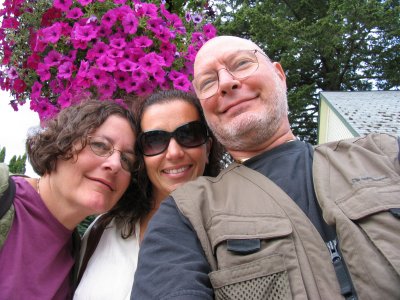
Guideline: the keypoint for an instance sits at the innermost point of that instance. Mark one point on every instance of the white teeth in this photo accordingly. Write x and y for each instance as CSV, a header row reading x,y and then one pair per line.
x,y
175,171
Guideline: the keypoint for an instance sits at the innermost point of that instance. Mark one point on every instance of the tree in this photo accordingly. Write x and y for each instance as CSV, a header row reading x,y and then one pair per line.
x,y
17,164
2,154
325,45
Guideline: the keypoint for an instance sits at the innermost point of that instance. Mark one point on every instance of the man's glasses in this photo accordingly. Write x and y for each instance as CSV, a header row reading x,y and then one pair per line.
x,y
240,65
102,147
189,135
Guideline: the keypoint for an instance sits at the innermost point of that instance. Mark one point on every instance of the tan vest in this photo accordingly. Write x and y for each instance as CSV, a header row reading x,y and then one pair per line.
x,y
357,183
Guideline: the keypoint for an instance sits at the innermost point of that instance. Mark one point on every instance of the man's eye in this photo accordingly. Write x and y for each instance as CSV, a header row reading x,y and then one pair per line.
x,y
242,63
207,83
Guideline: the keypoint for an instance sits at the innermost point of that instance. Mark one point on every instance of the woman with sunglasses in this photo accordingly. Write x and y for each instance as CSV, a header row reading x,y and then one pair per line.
x,y
85,158
174,146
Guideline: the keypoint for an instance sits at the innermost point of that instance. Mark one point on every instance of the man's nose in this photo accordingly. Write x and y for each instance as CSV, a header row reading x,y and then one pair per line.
x,y
226,81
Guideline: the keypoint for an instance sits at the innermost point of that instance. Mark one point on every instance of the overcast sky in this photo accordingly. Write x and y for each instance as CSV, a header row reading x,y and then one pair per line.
x,y
14,127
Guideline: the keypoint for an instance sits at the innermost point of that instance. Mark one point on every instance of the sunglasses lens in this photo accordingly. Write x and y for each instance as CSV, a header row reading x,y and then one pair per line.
x,y
154,142
191,135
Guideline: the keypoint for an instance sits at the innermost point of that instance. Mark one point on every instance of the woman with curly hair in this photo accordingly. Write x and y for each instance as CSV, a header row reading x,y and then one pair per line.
x,y
84,157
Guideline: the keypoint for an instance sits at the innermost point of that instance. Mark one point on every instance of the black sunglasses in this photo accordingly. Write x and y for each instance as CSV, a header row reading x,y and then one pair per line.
x,y
189,135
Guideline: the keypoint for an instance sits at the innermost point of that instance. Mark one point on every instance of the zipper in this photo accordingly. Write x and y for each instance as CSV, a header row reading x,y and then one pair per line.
x,y
346,286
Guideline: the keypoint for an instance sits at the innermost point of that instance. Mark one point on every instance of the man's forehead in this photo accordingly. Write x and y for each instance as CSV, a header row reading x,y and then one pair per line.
x,y
219,47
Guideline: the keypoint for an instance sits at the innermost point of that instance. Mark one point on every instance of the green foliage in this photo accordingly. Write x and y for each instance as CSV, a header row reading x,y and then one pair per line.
x,y
329,45
17,164
2,154
82,226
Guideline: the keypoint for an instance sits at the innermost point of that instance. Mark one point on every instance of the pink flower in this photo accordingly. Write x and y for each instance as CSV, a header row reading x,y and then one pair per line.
x,y
107,89
139,75
84,2
84,33
12,73
163,34
121,78
63,5
52,34
109,19
127,65
19,85
43,71
106,63
118,43
145,89
142,42
159,75
115,53
75,13
98,76
97,50
53,58
145,9
36,90
150,62
65,99
182,83
65,70
10,23
174,75
130,23
209,31
45,109
154,24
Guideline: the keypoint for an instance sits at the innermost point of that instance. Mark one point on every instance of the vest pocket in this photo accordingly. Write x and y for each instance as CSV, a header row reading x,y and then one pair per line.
x,y
254,255
265,278
374,210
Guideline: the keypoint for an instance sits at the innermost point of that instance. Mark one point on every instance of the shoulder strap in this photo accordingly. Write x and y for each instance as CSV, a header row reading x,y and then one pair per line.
x,y
7,197
93,240
7,192
76,245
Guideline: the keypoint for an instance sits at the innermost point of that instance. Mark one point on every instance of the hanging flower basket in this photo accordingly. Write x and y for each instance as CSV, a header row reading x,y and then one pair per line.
x,y
54,54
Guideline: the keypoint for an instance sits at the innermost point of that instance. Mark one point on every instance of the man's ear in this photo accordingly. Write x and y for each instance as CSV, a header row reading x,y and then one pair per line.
x,y
279,71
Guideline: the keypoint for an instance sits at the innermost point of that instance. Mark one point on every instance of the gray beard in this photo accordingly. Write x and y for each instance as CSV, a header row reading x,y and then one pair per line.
x,y
249,130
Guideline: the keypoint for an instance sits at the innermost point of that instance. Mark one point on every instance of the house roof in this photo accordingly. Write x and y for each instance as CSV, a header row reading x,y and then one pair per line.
x,y
365,112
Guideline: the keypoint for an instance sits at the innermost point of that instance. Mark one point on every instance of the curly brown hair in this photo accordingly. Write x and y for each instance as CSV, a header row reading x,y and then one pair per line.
x,y
72,125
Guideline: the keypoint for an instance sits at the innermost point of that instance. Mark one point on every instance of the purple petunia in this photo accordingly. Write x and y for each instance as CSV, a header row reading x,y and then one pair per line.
x,y
84,49
62,5
74,13
52,34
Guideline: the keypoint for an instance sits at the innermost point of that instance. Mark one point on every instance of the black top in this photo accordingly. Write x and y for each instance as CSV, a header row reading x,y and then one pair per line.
x,y
290,167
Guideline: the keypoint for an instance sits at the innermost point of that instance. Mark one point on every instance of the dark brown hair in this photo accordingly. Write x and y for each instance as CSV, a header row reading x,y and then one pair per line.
x,y
215,159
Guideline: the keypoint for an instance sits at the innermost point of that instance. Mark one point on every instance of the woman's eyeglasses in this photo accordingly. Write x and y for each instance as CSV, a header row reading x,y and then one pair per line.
x,y
189,135
103,147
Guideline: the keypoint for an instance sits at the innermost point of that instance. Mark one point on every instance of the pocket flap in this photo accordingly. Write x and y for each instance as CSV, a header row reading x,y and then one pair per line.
x,y
227,227
369,201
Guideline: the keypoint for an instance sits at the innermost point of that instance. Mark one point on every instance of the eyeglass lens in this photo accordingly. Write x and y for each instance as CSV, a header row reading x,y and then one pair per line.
x,y
240,65
102,147
190,135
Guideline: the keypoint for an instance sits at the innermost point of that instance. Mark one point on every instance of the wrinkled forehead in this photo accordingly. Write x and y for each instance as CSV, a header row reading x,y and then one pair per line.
x,y
217,49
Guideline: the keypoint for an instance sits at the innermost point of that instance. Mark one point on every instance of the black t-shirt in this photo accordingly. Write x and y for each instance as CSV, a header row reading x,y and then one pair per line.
x,y
290,167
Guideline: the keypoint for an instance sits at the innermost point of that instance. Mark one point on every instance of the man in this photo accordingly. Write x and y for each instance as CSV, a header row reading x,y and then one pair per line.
x,y
286,220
